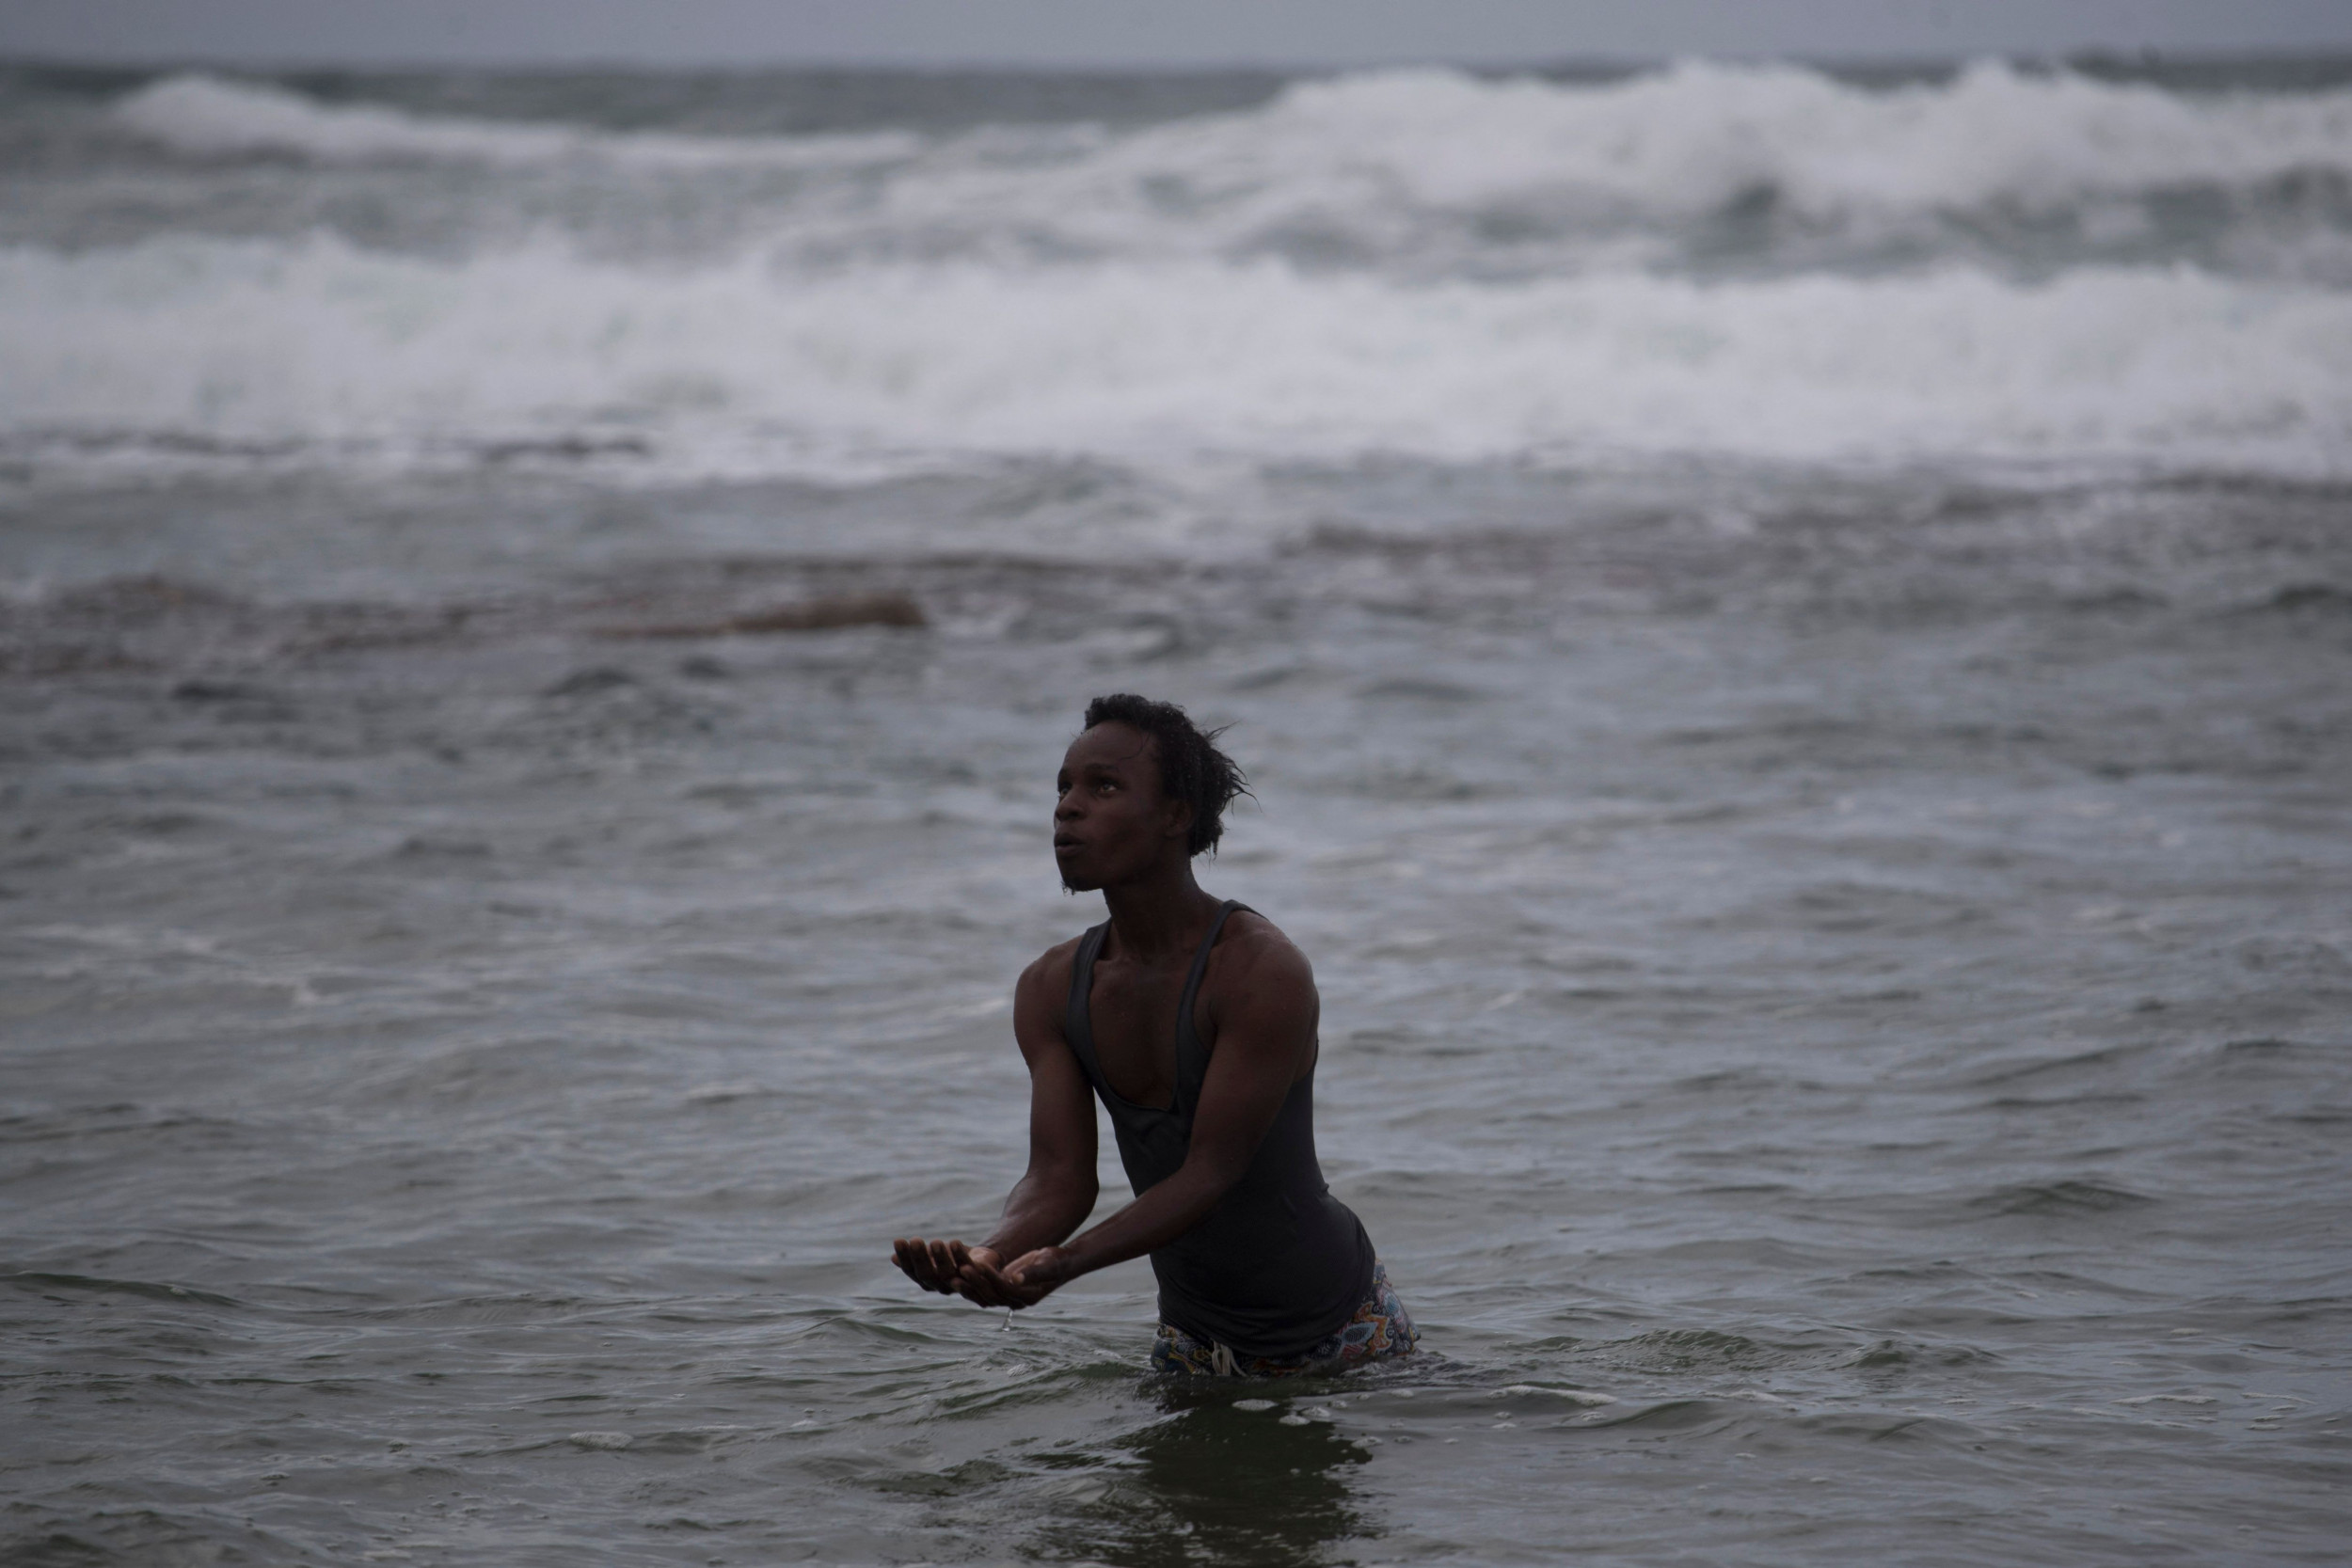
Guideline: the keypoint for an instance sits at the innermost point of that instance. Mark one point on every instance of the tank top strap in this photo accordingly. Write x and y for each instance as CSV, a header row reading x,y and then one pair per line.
x,y
1077,1020
1192,1058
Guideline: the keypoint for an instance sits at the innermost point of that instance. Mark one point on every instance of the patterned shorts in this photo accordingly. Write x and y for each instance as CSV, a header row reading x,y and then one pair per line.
x,y
1380,1328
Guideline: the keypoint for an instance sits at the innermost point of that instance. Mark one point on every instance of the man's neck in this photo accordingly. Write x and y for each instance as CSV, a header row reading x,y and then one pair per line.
x,y
1161,914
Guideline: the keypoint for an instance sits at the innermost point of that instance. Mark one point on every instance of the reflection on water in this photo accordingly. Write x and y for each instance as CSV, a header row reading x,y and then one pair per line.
x,y
1209,1483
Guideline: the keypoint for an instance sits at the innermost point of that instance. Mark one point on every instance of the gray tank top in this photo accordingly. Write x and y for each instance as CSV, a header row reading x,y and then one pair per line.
x,y
1280,1262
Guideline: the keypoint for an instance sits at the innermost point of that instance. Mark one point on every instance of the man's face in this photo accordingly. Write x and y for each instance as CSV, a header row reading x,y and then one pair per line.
x,y
1111,823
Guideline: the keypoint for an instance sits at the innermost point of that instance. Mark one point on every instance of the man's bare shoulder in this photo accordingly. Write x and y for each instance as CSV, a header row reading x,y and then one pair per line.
x,y
1254,951
1038,995
1050,970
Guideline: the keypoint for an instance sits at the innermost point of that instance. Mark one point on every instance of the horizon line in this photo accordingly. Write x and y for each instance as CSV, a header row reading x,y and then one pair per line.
x,y
1596,63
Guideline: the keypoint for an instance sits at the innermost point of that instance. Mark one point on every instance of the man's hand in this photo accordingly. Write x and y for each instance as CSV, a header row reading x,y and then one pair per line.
x,y
940,1265
979,1275
1028,1281
1034,1275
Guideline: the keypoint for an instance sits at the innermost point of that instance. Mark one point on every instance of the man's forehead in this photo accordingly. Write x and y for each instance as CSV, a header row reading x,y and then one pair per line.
x,y
1109,745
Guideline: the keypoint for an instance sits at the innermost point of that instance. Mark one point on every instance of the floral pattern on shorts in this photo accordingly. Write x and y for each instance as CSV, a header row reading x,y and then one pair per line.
x,y
1380,1328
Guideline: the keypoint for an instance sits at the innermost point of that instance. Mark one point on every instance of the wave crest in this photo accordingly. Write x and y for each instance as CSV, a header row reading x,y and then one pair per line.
x,y
1690,136
1697,167
741,368
210,116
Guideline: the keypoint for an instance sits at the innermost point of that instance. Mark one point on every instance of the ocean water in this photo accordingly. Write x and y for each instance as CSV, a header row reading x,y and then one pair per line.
x,y
1794,635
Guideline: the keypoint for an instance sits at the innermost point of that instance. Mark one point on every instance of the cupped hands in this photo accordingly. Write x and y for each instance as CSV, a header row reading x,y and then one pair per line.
x,y
978,1274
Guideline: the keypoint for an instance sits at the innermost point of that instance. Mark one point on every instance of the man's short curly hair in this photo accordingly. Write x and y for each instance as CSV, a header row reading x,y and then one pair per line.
x,y
1192,769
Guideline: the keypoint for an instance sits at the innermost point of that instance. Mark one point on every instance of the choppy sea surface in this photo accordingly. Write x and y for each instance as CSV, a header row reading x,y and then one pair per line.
x,y
1794,635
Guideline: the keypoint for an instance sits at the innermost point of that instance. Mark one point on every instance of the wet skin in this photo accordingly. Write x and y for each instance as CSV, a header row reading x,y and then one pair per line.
x,y
1256,1011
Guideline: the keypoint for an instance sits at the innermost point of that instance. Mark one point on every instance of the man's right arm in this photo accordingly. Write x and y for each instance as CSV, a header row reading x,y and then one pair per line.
x,y
1057,1192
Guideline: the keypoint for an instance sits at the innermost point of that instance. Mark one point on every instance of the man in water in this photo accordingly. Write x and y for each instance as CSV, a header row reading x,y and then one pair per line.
x,y
1194,1020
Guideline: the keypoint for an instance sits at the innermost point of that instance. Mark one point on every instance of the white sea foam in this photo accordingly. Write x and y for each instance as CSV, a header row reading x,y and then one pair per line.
x,y
1698,135
1429,175
740,368
207,115
1692,138
1435,172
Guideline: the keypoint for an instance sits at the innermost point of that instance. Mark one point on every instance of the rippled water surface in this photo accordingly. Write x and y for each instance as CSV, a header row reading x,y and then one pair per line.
x,y
1836,970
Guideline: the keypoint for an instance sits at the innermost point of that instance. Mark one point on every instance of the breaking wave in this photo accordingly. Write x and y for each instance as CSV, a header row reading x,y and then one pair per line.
x,y
741,367
1755,261
1694,137
209,117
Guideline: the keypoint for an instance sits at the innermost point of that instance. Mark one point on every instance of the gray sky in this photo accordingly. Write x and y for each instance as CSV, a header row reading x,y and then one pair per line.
x,y
1138,32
